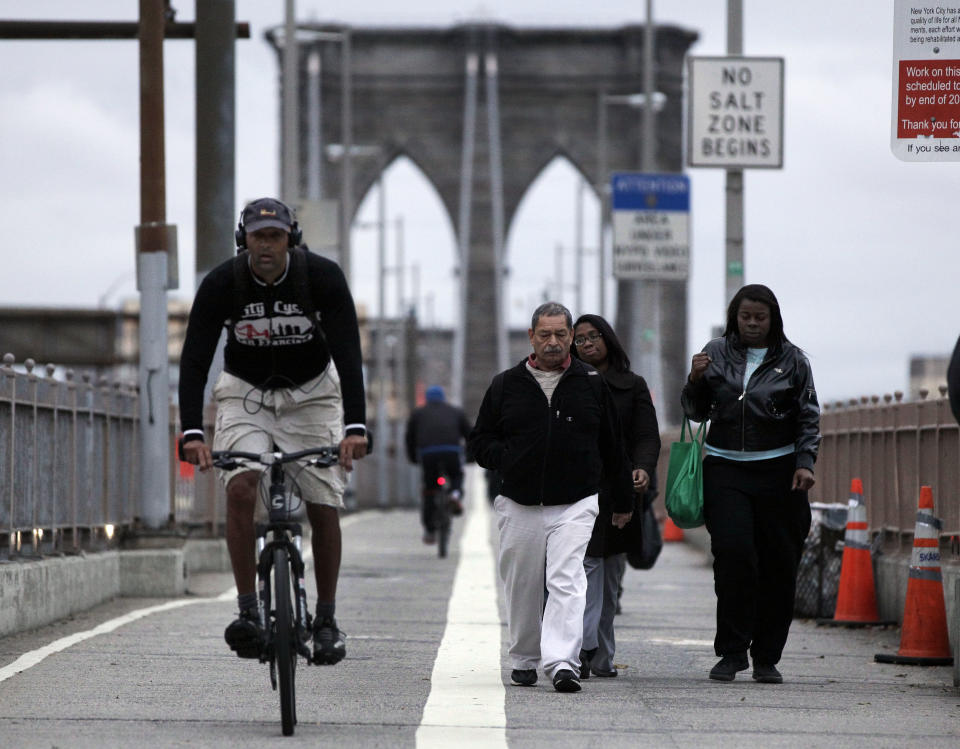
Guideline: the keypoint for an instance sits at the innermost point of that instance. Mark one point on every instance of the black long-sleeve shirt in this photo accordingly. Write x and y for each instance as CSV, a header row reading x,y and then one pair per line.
x,y
272,344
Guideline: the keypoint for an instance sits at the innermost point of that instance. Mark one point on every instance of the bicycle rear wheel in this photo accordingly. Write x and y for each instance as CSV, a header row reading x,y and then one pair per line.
x,y
443,524
283,645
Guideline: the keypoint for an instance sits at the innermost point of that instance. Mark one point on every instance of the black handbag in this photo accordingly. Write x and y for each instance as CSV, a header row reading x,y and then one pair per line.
x,y
645,539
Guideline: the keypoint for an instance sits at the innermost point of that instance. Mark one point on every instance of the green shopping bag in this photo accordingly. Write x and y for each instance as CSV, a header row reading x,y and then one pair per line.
x,y
684,495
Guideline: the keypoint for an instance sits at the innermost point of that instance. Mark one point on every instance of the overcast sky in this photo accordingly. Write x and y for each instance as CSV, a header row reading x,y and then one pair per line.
x,y
860,248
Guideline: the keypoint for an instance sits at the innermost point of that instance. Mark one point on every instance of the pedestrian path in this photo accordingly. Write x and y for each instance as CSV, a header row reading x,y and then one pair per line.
x,y
426,666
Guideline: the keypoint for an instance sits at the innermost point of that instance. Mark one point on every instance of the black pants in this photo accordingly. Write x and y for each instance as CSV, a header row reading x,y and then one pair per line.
x,y
435,465
757,528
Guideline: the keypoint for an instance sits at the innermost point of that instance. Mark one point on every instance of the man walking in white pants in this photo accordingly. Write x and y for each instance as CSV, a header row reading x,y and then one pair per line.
x,y
549,426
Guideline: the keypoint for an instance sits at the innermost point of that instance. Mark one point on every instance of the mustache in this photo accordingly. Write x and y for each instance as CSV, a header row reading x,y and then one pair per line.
x,y
553,349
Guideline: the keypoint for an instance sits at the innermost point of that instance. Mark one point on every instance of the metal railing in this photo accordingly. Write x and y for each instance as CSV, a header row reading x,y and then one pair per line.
x,y
894,447
68,461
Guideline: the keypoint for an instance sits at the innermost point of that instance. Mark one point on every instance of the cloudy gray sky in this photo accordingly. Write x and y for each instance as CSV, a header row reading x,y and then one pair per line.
x,y
860,248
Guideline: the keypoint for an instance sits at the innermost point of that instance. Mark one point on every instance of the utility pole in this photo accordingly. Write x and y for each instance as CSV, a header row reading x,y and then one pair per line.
x,y
734,177
216,211
603,187
647,309
578,248
639,317
401,270
156,242
346,166
290,169
380,440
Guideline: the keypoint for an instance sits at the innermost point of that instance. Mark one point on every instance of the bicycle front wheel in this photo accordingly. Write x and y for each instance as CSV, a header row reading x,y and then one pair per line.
x,y
284,648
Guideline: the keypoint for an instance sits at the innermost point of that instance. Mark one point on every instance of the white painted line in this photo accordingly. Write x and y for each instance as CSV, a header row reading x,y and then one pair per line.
x,y
31,659
466,703
672,641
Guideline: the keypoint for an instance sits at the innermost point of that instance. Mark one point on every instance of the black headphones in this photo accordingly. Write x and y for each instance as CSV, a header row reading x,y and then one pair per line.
x,y
294,233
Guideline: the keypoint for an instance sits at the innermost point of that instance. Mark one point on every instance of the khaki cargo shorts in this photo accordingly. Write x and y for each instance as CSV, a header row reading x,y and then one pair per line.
x,y
296,418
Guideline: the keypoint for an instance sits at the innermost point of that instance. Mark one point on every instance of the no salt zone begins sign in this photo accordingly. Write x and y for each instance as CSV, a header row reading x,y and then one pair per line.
x,y
735,112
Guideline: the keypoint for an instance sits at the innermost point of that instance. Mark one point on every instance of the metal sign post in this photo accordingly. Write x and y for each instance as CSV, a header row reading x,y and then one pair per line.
x,y
734,122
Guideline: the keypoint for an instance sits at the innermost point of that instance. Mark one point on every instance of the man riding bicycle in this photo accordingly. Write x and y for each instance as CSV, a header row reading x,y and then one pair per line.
x,y
292,377
434,438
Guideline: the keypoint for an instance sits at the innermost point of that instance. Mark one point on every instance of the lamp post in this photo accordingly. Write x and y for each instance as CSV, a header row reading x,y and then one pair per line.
x,y
380,441
290,165
734,274
638,301
604,100
314,144
578,246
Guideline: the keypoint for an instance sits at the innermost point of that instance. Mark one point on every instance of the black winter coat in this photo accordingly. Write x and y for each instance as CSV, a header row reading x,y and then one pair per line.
x,y
778,407
641,437
552,453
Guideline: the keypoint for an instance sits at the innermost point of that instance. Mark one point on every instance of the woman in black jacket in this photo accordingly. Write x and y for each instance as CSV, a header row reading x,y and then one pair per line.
x,y
756,388
596,344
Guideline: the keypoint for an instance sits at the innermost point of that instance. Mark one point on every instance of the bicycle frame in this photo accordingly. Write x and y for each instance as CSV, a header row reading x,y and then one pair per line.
x,y
287,534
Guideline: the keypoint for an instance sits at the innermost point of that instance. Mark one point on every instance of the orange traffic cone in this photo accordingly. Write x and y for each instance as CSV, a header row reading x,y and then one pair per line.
x,y
857,596
924,640
671,532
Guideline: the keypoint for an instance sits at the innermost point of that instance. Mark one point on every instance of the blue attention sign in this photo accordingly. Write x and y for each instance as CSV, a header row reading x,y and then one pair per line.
x,y
651,226
650,192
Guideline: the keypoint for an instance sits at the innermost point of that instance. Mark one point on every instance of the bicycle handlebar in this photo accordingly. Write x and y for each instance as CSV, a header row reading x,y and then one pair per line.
x,y
325,456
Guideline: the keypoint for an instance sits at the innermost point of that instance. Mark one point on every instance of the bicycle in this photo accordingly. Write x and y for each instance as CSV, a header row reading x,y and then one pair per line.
x,y
441,514
438,487
285,621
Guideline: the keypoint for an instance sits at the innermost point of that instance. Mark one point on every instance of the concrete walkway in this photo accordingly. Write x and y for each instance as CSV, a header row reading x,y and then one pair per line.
x,y
167,679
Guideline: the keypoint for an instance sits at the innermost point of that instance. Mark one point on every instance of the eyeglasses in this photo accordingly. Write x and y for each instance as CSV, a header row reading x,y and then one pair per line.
x,y
592,337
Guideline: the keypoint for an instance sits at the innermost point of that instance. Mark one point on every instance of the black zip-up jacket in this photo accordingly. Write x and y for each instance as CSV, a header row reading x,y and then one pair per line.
x,y
552,453
778,407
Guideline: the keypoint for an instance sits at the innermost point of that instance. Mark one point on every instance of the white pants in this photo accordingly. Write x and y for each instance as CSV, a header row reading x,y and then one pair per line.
x,y
544,544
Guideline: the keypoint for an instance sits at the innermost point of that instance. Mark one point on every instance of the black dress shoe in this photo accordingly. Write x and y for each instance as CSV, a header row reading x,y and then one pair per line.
x,y
766,674
726,669
604,673
585,657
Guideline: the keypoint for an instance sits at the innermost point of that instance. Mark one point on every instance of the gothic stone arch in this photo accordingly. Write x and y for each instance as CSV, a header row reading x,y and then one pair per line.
x,y
409,85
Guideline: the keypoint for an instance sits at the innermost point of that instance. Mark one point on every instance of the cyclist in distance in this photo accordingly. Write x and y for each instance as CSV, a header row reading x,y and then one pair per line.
x,y
291,380
434,439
